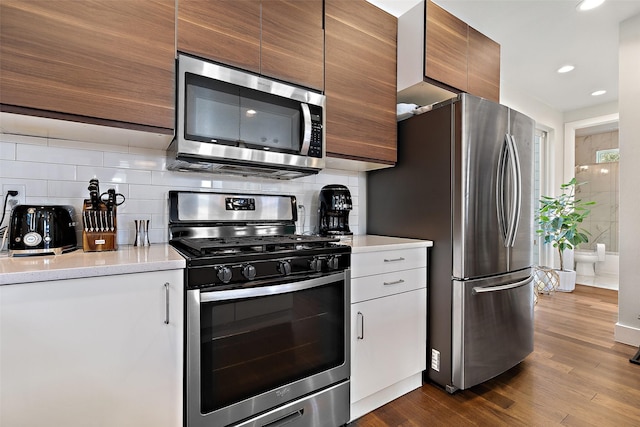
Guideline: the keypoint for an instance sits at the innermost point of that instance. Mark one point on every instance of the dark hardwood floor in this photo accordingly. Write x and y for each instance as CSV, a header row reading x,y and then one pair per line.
x,y
577,375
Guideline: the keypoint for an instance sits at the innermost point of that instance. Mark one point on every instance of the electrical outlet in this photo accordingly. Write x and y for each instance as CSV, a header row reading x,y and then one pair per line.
x,y
20,199
435,360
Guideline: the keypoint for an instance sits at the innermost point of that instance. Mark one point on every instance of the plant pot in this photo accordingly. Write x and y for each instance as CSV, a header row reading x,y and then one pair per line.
x,y
567,280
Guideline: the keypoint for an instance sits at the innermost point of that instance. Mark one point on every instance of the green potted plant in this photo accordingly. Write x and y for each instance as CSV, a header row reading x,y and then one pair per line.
x,y
559,219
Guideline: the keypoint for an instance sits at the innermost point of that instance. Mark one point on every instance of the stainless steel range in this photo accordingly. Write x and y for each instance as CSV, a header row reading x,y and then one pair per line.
x,y
266,313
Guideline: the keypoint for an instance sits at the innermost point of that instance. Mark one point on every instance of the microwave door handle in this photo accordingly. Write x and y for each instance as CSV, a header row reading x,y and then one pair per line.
x,y
306,131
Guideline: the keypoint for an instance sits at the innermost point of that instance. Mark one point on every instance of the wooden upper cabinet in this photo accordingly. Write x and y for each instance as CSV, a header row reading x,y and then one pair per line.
x,y
460,57
276,38
104,60
484,66
226,31
360,81
293,41
445,58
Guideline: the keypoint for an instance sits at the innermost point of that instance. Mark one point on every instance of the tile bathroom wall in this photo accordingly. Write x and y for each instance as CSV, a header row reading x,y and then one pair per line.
x,y
57,171
601,186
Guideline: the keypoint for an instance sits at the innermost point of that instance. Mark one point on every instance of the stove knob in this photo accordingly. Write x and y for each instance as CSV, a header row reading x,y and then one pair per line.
x,y
284,268
224,274
315,264
333,262
249,272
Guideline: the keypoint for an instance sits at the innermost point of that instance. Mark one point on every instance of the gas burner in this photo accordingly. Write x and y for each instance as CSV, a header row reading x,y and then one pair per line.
x,y
228,245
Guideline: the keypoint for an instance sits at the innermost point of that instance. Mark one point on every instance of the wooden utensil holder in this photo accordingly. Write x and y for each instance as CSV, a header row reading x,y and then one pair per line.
x,y
99,227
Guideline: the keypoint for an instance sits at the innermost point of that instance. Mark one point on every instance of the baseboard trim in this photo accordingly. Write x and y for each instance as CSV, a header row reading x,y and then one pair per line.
x,y
384,396
627,335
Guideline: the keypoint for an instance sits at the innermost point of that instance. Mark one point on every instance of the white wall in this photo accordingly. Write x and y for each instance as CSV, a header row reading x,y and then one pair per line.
x,y
628,326
547,119
52,170
591,112
550,121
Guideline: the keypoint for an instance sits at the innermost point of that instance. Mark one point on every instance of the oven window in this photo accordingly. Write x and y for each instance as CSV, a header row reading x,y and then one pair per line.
x,y
227,114
254,345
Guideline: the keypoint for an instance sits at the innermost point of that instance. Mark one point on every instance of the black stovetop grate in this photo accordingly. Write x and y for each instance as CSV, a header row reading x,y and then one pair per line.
x,y
252,244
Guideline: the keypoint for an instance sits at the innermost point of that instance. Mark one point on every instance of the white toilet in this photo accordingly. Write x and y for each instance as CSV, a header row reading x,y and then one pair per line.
x,y
586,260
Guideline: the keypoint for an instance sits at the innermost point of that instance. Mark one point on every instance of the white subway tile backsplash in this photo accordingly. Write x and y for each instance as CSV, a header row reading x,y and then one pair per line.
x,y
47,154
33,187
93,146
148,192
57,171
113,176
23,139
7,151
239,184
134,161
158,151
181,179
142,207
65,189
30,170
339,177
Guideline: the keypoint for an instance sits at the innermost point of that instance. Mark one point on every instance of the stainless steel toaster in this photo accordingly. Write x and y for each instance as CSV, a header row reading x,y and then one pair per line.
x,y
42,230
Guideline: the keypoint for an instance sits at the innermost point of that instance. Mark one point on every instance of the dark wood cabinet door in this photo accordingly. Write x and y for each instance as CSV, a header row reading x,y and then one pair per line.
x,y
293,41
226,31
445,58
360,81
484,66
111,60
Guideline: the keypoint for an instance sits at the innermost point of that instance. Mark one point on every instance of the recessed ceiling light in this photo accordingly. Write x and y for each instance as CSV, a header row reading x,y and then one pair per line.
x,y
566,68
589,4
598,93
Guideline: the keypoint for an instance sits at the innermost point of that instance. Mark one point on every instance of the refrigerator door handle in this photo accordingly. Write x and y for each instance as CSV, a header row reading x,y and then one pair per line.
x,y
516,190
481,290
500,189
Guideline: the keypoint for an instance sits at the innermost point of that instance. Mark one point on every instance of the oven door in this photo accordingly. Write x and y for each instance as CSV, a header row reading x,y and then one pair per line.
x,y
251,350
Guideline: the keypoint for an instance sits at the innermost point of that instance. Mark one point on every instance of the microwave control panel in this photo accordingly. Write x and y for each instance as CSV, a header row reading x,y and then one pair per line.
x,y
315,146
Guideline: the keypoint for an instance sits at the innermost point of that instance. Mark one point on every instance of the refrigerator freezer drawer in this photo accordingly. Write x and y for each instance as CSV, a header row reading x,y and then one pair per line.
x,y
492,326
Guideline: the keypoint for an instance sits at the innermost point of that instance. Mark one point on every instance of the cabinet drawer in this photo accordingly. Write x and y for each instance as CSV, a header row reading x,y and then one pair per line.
x,y
370,263
370,287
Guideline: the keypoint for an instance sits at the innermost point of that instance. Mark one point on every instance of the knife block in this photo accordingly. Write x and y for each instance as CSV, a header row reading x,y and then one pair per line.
x,y
99,227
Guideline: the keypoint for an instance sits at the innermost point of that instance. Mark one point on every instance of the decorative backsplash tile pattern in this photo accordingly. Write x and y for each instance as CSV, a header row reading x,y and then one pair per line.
x,y
56,171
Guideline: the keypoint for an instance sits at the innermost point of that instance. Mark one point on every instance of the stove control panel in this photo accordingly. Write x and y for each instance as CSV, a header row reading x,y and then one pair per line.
x,y
240,203
239,272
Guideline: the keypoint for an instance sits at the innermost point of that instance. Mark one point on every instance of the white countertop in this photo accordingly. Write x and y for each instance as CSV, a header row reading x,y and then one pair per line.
x,y
132,259
78,264
372,243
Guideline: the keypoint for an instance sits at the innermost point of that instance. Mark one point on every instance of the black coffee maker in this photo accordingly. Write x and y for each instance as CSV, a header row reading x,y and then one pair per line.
x,y
335,205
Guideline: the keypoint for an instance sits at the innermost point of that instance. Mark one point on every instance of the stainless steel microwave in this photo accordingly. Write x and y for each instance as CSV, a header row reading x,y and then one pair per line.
x,y
232,121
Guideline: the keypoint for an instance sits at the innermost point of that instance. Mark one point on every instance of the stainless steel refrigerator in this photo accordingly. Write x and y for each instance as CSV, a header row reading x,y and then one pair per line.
x,y
464,179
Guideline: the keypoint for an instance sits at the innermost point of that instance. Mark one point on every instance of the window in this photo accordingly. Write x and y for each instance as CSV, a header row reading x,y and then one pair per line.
x,y
608,156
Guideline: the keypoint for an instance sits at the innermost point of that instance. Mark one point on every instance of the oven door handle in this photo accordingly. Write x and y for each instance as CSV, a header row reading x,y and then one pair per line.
x,y
210,296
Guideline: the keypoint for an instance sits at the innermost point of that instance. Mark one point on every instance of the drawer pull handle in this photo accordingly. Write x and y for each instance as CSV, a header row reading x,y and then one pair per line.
x,y
361,321
394,259
397,282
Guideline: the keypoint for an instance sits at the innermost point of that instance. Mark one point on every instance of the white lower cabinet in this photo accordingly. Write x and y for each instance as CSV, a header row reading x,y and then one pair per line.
x,y
92,352
388,327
